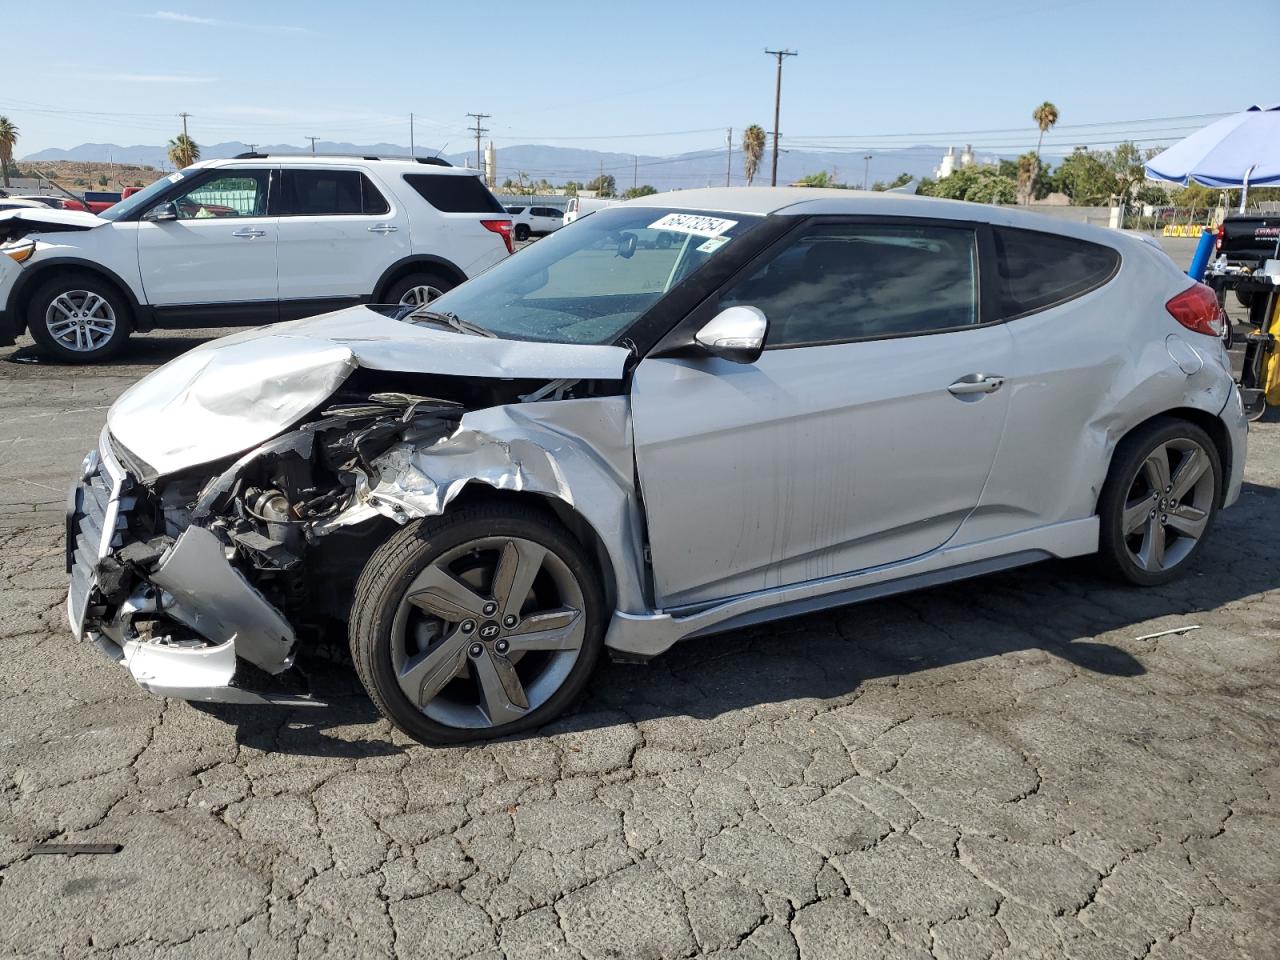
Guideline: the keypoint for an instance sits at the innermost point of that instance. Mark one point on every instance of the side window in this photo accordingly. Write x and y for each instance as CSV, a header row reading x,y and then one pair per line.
x,y
371,198
859,281
453,193
1038,270
236,193
316,193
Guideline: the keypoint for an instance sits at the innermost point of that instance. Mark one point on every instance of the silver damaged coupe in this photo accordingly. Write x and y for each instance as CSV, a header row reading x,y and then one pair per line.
x,y
675,417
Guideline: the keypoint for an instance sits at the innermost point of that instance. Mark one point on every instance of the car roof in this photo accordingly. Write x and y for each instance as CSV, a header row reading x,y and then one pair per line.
x,y
406,164
810,201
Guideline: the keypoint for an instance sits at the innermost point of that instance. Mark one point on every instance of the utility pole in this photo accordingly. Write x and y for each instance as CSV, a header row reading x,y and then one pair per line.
x,y
777,107
866,169
411,151
479,131
313,144
184,122
728,166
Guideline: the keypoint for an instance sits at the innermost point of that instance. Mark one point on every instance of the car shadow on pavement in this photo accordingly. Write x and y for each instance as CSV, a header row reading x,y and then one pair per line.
x,y
1064,609
140,351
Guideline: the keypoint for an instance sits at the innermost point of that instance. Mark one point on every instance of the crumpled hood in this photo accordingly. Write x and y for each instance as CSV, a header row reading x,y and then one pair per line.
x,y
34,216
29,221
229,395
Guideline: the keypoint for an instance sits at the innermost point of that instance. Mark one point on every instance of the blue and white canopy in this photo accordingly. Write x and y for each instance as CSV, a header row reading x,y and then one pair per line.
x,y
1242,150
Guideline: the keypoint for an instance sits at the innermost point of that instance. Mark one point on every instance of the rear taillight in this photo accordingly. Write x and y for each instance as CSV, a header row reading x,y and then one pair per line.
x,y
1222,232
1196,308
503,229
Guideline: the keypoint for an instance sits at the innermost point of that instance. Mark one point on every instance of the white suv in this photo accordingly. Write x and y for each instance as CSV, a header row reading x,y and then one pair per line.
x,y
250,240
535,221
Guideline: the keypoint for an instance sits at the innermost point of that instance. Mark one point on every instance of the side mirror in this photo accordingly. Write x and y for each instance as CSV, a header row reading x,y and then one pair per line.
x,y
627,245
161,212
735,333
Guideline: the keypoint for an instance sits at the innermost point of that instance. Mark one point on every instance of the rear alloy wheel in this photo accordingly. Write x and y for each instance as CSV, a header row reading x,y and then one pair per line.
x,y
78,318
418,289
476,625
1160,501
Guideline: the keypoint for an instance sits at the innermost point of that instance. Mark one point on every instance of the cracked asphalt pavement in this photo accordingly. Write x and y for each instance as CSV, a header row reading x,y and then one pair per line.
x,y
1002,768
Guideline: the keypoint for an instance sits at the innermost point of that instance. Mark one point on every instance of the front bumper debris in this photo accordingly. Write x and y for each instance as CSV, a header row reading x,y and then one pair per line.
x,y
188,625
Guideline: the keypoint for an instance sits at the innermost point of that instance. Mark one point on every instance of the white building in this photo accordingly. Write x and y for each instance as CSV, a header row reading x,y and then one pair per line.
x,y
491,165
952,161
948,165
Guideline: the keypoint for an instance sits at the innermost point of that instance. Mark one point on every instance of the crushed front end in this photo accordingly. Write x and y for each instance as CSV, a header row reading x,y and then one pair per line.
x,y
194,581
237,492
170,603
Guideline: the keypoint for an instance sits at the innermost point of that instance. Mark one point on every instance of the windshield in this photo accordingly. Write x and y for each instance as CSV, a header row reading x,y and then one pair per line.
x,y
144,198
588,282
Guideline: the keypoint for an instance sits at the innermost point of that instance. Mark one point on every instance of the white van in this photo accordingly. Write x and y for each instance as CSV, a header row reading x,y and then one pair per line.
x,y
581,206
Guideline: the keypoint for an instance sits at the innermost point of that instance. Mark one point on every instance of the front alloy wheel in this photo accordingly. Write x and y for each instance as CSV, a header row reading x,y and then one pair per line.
x,y
78,318
476,625
1160,501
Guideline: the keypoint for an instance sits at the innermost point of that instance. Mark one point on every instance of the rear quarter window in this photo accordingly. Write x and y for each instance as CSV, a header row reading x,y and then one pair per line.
x,y
454,194
1039,270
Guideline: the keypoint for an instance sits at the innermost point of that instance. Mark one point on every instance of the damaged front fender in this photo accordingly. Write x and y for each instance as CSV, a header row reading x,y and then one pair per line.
x,y
575,452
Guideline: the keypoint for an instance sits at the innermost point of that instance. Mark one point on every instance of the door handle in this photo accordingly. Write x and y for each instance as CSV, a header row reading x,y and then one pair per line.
x,y
249,233
383,228
976,383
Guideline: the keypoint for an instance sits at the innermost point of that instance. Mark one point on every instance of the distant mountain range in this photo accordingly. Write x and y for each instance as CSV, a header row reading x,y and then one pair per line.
x,y
561,164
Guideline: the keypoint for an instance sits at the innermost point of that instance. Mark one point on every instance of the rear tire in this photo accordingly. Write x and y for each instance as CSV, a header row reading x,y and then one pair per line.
x,y
1159,502
419,288
77,317
539,647
1244,298
521,232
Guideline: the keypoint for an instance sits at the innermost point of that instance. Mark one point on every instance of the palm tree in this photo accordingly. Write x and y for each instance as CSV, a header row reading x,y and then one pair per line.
x,y
1028,170
752,150
8,140
183,151
1045,116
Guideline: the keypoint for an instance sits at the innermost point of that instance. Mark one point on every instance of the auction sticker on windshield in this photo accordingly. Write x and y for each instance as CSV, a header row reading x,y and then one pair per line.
x,y
694,223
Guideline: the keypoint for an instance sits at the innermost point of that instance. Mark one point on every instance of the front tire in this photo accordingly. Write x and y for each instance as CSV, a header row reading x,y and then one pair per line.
x,y
78,318
1159,501
475,625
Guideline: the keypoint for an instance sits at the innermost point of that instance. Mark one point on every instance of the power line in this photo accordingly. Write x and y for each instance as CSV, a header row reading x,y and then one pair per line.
x,y
606,136
232,121
1024,129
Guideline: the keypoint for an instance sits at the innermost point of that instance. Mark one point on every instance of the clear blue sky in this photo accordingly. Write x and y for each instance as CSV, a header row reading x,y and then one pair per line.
x,y
593,74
